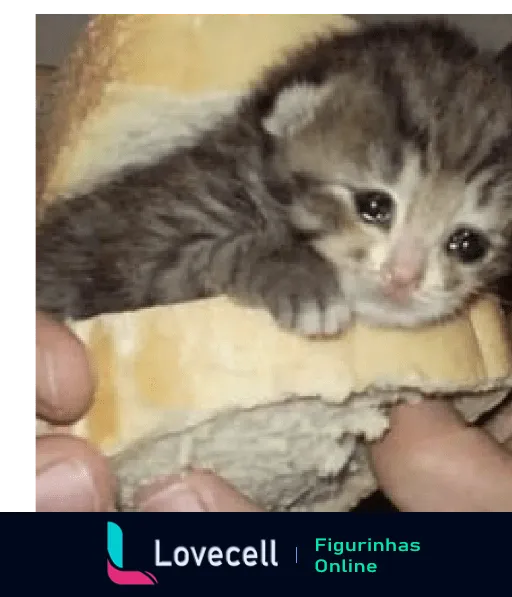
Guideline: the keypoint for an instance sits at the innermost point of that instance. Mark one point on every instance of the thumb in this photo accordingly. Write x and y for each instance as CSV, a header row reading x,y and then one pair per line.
x,y
64,380
197,491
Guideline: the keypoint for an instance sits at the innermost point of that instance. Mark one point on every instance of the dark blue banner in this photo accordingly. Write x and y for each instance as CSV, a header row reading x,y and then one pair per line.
x,y
404,553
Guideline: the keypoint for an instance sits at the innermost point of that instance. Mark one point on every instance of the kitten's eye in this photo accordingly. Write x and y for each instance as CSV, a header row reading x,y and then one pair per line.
x,y
374,207
467,245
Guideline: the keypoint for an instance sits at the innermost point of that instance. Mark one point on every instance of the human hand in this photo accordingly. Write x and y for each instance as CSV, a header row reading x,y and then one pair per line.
x,y
71,476
432,461
429,461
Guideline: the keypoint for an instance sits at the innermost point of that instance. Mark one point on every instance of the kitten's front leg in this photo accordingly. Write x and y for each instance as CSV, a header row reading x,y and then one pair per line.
x,y
292,281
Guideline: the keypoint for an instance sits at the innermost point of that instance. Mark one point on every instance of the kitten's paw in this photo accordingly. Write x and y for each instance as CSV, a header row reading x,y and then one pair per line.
x,y
311,309
313,319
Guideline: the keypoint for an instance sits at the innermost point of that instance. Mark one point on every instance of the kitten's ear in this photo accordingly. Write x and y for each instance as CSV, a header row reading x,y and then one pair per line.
x,y
294,107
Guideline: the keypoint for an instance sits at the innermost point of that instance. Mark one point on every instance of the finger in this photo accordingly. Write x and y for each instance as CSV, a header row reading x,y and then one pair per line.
x,y
432,461
71,476
500,424
64,384
198,491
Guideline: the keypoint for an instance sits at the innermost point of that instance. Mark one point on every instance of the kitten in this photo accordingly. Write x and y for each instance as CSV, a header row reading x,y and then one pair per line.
x,y
369,174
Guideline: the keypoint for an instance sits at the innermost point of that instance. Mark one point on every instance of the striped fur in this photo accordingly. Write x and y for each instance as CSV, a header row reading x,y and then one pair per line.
x,y
262,206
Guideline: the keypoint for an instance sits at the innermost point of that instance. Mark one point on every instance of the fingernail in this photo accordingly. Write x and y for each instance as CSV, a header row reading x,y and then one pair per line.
x,y
177,497
65,486
47,378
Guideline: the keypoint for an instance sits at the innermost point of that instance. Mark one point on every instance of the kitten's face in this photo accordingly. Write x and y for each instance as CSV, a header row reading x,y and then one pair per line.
x,y
415,224
415,249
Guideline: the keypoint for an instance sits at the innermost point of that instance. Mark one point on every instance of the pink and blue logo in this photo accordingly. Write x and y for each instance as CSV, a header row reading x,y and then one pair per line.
x,y
115,570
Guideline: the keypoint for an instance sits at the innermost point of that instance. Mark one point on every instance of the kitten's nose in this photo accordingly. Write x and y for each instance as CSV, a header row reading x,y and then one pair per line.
x,y
401,277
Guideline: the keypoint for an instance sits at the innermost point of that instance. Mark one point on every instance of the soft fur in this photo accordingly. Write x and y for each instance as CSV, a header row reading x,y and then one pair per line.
x,y
264,207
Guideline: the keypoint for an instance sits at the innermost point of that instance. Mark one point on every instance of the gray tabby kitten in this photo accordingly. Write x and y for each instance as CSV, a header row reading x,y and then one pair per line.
x,y
368,174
